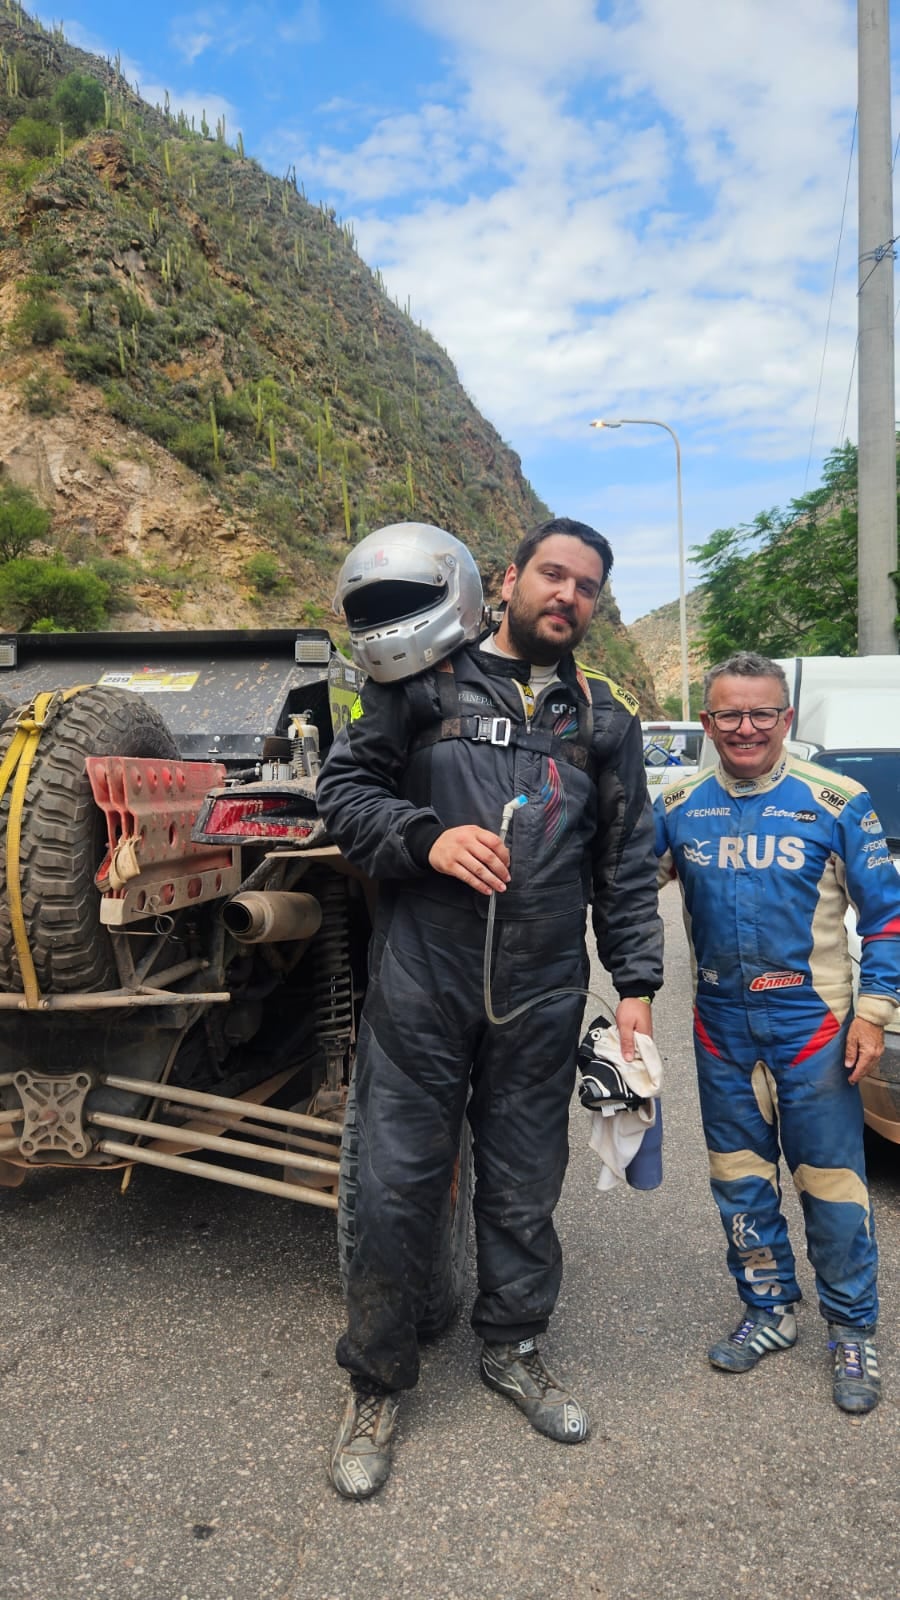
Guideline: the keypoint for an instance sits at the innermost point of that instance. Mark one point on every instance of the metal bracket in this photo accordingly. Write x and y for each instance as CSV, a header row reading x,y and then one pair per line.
x,y
53,1110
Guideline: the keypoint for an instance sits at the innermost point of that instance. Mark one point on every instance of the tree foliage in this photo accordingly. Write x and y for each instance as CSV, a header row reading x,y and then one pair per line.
x,y
786,583
50,597
78,102
22,521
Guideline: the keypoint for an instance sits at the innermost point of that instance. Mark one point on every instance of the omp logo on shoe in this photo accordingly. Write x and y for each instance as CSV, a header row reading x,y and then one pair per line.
x,y
777,980
870,823
761,850
698,853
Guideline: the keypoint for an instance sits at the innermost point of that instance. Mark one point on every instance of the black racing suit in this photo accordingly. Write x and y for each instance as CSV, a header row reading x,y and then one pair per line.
x,y
419,757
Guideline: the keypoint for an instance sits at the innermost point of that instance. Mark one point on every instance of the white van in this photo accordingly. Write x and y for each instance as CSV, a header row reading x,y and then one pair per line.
x,y
671,751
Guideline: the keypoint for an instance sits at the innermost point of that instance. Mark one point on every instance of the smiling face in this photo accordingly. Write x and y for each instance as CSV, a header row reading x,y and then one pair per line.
x,y
745,751
551,600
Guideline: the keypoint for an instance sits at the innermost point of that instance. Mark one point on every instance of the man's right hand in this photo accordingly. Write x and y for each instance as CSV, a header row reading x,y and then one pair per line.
x,y
474,855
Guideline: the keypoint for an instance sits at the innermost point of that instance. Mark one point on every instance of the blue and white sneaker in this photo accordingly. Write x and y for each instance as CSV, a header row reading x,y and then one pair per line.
x,y
517,1370
758,1334
856,1384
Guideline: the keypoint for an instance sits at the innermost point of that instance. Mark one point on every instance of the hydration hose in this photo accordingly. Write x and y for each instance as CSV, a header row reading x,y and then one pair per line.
x,y
509,811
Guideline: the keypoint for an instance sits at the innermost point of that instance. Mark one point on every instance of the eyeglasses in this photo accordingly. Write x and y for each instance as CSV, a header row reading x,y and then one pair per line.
x,y
762,717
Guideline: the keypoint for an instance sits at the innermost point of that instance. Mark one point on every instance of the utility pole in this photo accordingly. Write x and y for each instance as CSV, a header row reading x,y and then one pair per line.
x,y
877,432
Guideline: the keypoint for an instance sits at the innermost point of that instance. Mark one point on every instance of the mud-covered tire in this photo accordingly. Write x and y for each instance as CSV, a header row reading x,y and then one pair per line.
x,y
448,1269
64,838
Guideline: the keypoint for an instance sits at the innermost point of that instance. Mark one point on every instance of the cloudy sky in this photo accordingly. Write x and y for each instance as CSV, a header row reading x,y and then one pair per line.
x,y
599,209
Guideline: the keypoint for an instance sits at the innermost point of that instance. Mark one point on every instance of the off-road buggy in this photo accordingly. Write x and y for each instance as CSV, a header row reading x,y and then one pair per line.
x,y
182,950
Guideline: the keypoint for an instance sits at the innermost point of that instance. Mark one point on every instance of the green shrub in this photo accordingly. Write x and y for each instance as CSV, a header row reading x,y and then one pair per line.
x,y
47,593
90,361
44,393
193,444
51,255
78,102
263,571
118,573
22,521
41,322
36,138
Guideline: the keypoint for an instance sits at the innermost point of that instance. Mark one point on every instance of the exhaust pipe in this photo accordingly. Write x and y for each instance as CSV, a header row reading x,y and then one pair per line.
x,y
259,917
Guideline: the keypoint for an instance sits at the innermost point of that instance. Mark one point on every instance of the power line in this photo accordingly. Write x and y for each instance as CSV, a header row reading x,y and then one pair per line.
x,y
843,432
837,256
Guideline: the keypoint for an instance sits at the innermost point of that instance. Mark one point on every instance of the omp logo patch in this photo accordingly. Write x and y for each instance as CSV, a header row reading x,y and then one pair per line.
x,y
834,801
629,701
777,980
870,823
709,975
671,795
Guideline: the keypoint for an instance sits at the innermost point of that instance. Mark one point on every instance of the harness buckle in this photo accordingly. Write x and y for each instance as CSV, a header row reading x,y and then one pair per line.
x,y
493,730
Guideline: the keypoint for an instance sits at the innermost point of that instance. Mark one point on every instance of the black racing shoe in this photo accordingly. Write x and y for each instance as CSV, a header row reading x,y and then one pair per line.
x,y
856,1384
517,1371
757,1334
361,1457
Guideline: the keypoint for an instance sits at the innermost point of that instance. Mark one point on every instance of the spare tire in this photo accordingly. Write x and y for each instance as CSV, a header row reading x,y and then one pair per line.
x,y
64,838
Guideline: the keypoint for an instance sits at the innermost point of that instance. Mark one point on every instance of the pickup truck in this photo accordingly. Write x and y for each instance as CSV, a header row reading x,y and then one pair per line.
x,y
183,952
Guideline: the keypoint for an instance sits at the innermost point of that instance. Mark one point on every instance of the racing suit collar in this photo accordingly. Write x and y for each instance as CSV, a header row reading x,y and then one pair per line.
x,y
741,788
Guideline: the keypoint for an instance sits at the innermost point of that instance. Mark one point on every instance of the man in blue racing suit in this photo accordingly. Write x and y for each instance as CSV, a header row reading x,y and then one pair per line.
x,y
770,851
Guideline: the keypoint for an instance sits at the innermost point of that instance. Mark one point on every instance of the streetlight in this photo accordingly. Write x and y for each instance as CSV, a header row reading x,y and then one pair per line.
x,y
651,422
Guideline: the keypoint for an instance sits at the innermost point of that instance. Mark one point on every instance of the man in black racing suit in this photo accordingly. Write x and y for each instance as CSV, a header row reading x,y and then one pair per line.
x,y
413,792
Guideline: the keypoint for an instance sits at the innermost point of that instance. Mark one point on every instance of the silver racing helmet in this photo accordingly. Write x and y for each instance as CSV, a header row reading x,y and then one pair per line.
x,y
411,594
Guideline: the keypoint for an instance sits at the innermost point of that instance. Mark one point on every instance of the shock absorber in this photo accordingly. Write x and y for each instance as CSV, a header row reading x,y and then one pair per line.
x,y
333,976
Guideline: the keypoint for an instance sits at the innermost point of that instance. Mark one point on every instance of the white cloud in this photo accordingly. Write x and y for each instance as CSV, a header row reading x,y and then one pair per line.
x,y
648,214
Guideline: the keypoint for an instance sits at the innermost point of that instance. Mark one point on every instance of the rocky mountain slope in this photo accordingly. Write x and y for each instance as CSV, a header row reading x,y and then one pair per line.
x,y
202,381
658,637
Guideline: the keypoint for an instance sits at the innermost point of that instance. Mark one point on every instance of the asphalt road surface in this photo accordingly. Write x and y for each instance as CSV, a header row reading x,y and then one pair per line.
x,y
168,1394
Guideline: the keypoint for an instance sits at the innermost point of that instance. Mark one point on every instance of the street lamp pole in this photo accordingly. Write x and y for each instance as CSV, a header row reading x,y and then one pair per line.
x,y
651,422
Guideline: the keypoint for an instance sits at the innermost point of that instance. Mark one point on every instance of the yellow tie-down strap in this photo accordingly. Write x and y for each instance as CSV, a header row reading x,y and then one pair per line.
x,y
17,765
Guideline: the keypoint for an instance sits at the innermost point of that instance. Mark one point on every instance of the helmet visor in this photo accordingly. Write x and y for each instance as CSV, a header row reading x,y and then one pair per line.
x,y
376,605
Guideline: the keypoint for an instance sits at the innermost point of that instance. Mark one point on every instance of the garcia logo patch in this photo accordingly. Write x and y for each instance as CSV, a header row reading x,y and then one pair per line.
x,y
777,980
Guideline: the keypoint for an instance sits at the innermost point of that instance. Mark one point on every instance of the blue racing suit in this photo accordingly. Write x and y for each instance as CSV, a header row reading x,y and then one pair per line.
x,y
768,868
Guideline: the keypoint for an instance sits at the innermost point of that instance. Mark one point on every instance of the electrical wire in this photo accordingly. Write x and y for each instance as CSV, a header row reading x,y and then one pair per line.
x,y
837,257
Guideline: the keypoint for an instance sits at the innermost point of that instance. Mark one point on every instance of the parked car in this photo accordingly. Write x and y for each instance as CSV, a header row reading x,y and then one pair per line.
x,y
671,751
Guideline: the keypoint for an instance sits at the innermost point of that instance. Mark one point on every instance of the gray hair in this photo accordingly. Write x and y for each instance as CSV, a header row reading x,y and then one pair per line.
x,y
746,664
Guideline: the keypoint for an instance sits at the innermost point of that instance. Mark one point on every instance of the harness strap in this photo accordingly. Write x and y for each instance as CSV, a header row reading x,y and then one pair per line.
x,y
16,765
503,731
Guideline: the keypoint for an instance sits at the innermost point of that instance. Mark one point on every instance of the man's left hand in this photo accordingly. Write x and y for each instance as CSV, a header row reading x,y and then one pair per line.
x,y
632,1015
865,1043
